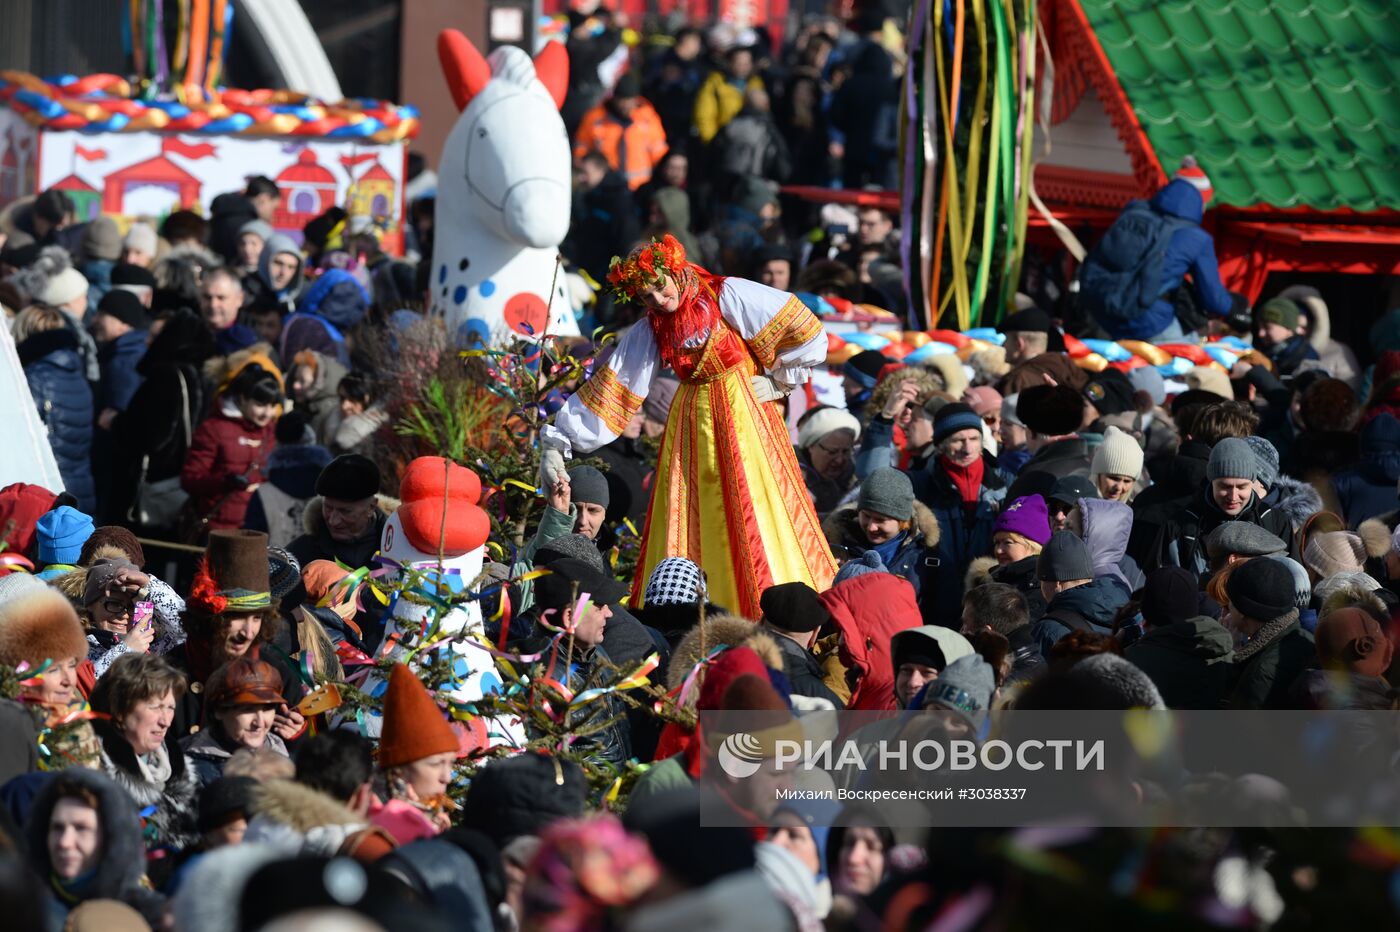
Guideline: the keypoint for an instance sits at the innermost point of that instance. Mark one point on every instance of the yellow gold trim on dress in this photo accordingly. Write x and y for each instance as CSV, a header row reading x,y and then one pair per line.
x,y
614,403
792,326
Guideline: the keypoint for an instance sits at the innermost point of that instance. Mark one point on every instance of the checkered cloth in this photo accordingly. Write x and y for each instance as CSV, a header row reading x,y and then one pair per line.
x,y
284,572
675,581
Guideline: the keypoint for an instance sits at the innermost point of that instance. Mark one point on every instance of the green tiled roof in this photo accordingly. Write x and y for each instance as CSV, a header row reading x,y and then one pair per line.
x,y
1290,103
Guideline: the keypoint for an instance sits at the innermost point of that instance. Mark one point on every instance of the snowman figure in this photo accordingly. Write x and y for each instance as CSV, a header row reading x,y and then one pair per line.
x,y
437,541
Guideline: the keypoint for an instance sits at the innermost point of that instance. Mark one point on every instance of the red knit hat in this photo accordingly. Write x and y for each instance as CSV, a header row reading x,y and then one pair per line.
x,y
413,724
431,486
1196,175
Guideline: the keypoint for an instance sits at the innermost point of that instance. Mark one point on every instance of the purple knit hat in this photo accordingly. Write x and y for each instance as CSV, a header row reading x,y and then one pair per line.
x,y
1026,516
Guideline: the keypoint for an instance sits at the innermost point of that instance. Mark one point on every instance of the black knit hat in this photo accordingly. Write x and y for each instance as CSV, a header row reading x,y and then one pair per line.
x,y
1169,596
793,607
557,590
1066,557
349,478
224,800
1051,410
588,485
1109,392
128,273
522,795
954,417
125,307
1261,589
865,367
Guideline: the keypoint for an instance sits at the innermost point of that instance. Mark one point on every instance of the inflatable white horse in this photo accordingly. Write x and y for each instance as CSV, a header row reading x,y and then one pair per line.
x,y
503,195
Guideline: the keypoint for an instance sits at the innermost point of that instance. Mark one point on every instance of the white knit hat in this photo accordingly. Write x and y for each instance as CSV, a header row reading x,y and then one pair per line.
x,y
823,422
1118,455
142,237
64,287
1334,552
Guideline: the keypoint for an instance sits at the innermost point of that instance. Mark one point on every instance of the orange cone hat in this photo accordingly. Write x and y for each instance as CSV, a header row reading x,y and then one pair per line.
x,y
413,724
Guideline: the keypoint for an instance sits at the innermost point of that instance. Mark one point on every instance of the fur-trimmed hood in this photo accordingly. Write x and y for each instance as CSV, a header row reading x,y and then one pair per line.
x,y
220,371
1375,534
979,572
927,380
729,630
74,582
869,610
1296,499
949,368
39,625
300,807
122,866
300,820
313,521
842,529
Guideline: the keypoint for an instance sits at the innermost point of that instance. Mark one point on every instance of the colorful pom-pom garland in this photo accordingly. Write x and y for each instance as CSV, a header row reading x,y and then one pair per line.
x,y
103,103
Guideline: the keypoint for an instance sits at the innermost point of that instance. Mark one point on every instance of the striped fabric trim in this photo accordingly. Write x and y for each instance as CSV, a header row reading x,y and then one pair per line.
x,y
614,403
245,600
792,326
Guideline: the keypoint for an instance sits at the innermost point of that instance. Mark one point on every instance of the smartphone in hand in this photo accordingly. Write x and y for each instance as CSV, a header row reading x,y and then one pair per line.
x,y
143,614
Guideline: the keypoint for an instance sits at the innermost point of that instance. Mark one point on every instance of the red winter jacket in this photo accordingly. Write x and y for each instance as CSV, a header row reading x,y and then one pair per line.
x,y
225,447
870,609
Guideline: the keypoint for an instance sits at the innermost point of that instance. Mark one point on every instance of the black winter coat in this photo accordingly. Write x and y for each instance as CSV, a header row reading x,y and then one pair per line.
x,y
54,369
804,672
1181,541
1188,661
1262,679
1179,481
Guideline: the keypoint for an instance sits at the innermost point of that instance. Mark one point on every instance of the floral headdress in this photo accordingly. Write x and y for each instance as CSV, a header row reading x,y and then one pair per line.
x,y
647,266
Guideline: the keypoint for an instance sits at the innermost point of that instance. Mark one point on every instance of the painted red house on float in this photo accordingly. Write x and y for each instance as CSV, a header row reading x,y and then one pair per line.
x,y
87,200
308,189
156,177
1291,117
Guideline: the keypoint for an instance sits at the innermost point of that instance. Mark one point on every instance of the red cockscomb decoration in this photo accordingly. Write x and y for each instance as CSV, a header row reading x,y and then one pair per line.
x,y
205,591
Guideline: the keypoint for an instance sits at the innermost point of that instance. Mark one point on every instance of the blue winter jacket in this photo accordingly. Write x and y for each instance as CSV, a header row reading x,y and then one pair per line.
x,y
53,368
1192,250
963,535
1096,602
120,379
1368,488
915,558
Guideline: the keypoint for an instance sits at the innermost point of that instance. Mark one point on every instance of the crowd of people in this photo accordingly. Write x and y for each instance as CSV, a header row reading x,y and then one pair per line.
x,y
1011,530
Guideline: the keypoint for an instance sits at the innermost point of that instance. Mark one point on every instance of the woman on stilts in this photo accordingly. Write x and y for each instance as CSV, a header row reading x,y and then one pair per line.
x,y
728,492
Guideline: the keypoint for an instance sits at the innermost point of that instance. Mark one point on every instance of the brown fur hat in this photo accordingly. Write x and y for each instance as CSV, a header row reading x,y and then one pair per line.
x,y
730,630
38,626
74,582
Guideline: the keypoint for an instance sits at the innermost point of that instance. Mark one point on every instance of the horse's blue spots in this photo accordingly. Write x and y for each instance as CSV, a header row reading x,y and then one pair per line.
x,y
442,273
459,294
473,332
487,288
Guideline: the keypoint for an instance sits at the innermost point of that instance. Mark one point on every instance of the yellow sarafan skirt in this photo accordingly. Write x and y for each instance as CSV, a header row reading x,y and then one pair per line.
x,y
729,495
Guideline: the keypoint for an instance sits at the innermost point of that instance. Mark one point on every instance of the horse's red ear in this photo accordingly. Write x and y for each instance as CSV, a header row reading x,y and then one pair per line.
x,y
466,71
552,68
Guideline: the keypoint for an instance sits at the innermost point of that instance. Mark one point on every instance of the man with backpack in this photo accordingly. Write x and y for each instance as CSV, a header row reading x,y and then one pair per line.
x,y
1132,283
1075,600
